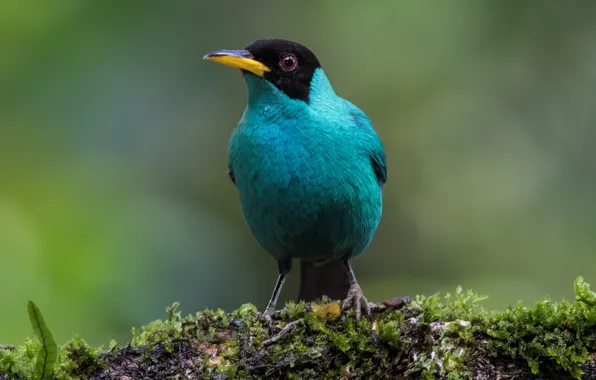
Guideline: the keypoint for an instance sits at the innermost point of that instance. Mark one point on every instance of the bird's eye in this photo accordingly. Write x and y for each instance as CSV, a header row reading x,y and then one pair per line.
x,y
288,62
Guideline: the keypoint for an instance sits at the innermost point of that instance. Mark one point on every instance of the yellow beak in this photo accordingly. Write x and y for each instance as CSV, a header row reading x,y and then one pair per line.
x,y
240,59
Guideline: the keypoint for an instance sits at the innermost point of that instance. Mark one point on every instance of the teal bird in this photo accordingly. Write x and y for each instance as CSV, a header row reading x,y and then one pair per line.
x,y
309,169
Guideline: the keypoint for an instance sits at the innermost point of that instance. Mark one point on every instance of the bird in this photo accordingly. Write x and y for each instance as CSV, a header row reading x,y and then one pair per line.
x,y
309,169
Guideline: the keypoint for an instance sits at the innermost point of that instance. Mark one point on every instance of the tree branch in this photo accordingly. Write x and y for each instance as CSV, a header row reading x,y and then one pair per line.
x,y
429,337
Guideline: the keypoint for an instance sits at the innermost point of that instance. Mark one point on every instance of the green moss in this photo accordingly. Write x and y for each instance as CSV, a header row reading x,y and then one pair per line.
x,y
431,337
77,360
160,332
560,333
294,310
20,361
390,333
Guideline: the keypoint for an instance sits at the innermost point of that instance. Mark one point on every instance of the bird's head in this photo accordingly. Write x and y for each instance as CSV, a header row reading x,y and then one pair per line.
x,y
289,66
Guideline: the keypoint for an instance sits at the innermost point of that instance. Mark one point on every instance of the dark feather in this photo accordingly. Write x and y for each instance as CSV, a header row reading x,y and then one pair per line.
x,y
231,174
380,166
377,152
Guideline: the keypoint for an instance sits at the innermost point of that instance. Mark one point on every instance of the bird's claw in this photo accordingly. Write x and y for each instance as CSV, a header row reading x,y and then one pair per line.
x,y
356,299
266,318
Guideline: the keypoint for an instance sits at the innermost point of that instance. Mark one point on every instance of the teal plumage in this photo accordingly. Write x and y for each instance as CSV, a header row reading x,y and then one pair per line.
x,y
308,166
309,175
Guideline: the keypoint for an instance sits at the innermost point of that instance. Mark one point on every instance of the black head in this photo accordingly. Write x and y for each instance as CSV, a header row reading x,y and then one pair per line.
x,y
292,65
288,65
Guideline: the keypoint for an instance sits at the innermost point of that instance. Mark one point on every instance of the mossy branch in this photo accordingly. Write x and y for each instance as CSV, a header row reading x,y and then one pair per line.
x,y
449,337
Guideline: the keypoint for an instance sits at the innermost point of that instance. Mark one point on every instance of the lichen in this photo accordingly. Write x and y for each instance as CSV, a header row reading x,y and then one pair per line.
x,y
449,336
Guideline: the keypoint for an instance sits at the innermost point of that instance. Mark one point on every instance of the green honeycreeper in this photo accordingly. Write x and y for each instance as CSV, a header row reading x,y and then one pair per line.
x,y
309,169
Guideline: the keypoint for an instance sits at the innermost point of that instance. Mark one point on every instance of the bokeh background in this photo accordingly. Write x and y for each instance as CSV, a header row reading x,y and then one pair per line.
x,y
114,198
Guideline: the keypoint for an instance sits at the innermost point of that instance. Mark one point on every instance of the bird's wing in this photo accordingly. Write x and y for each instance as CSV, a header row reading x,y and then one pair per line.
x,y
379,162
230,172
373,143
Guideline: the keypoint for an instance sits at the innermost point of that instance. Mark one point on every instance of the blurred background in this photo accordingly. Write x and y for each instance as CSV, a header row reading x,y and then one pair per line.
x,y
114,198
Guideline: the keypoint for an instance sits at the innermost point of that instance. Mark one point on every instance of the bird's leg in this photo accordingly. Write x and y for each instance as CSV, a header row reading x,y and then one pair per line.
x,y
284,268
355,296
273,300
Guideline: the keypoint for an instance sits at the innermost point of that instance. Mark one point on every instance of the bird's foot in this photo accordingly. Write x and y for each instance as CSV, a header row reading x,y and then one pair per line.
x,y
266,318
356,299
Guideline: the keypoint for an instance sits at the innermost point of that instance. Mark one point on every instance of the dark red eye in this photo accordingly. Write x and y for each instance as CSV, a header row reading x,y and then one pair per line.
x,y
288,62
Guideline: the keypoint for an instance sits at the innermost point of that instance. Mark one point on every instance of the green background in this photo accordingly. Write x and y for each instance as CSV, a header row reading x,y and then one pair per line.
x,y
114,200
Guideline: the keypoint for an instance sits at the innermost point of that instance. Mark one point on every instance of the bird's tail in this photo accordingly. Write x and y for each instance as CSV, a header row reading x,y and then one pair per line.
x,y
329,279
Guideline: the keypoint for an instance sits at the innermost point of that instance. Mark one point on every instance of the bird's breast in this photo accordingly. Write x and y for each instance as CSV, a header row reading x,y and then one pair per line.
x,y
304,194
296,166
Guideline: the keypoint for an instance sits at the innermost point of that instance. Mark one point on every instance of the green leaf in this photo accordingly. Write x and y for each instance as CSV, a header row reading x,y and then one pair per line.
x,y
46,357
